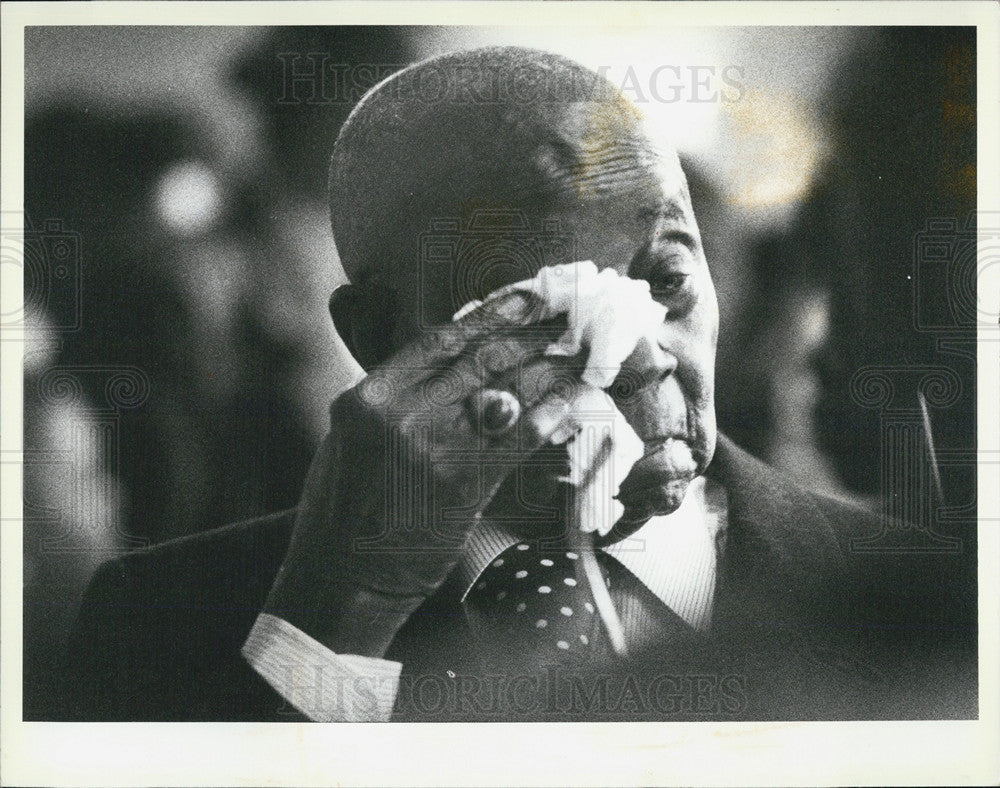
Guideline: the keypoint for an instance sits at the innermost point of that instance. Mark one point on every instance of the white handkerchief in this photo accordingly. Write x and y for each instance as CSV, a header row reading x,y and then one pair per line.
x,y
592,416
608,314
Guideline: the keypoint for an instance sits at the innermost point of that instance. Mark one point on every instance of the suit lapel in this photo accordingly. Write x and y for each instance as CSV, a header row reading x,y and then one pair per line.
x,y
778,540
778,613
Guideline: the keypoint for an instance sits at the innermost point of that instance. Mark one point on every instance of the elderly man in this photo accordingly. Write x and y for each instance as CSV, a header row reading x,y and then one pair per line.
x,y
426,574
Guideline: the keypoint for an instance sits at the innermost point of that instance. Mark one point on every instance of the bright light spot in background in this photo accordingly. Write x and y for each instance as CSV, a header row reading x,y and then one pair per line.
x,y
188,198
814,330
655,69
779,149
762,150
41,342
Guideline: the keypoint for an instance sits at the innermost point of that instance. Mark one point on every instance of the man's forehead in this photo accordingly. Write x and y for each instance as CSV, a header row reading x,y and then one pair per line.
x,y
613,147
545,157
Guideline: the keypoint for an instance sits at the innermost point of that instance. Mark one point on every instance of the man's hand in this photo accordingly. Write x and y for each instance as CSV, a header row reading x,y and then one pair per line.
x,y
416,452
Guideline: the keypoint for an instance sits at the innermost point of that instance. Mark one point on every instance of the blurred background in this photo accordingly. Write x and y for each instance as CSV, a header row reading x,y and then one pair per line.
x,y
180,359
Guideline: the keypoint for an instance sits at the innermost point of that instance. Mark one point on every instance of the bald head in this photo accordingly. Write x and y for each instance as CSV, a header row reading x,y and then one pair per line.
x,y
506,129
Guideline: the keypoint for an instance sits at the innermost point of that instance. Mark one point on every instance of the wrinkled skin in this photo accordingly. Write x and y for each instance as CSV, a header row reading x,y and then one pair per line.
x,y
352,534
411,461
409,465
359,547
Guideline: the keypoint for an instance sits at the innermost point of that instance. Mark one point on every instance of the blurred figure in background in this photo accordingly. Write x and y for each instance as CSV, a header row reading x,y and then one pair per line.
x,y
161,273
103,299
894,223
206,283
209,280
773,321
790,331
903,116
157,294
854,283
304,81
835,291
72,507
301,83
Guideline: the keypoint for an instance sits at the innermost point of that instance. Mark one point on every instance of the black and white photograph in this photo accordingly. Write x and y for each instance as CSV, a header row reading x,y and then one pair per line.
x,y
587,371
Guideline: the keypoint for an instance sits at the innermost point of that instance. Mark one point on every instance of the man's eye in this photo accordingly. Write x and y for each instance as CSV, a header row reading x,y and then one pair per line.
x,y
667,285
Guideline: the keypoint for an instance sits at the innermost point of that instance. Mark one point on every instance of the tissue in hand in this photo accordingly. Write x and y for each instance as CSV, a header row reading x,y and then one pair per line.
x,y
607,314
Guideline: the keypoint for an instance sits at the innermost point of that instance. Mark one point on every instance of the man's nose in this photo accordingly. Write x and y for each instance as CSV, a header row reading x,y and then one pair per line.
x,y
648,364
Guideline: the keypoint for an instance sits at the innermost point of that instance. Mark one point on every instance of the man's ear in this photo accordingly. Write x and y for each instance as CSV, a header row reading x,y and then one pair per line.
x,y
364,316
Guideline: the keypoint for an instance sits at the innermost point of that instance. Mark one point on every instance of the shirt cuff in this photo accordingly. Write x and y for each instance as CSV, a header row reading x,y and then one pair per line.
x,y
322,685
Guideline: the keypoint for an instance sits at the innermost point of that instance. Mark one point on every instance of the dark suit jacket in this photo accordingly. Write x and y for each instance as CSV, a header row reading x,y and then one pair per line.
x,y
805,627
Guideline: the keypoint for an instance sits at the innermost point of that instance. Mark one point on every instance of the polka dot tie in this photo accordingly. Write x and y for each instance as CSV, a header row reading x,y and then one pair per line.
x,y
533,603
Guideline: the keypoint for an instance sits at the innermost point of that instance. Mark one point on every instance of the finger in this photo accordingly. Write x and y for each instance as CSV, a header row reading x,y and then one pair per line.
x,y
543,420
501,361
440,344
547,378
441,392
541,387
493,411
449,362
498,361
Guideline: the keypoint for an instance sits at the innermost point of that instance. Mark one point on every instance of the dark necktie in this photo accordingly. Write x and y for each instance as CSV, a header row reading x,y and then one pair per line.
x,y
531,608
532,601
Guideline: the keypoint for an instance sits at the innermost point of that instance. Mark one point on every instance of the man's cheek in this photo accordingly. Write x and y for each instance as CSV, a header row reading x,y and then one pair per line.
x,y
705,433
701,324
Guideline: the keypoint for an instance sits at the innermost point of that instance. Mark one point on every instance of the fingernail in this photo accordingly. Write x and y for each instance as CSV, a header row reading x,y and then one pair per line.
x,y
549,416
599,378
469,307
562,434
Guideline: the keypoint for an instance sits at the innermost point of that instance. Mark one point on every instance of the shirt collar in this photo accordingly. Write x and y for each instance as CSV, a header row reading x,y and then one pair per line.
x,y
667,554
